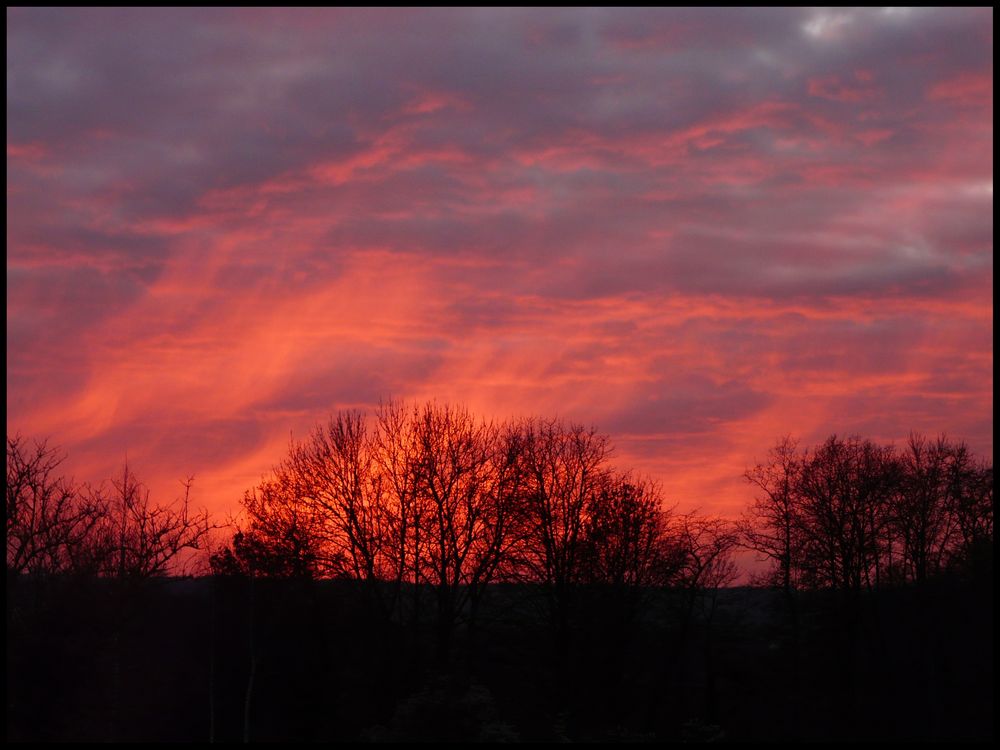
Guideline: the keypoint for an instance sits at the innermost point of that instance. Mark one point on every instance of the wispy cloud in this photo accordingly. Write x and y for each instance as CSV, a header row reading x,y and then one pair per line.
x,y
698,229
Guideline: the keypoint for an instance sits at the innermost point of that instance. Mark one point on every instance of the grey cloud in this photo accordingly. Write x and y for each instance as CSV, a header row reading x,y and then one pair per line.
x,y
686,404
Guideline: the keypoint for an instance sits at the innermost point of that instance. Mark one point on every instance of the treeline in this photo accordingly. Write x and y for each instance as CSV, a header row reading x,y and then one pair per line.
x,y
852,514
421,573
433,497
431,502
58,527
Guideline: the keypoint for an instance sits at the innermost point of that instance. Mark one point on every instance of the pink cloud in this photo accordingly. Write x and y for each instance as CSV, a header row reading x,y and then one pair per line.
x,y
967,89
678,225
846,90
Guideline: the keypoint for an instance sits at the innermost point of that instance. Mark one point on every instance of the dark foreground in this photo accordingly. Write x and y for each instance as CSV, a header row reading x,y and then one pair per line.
x,y
226,660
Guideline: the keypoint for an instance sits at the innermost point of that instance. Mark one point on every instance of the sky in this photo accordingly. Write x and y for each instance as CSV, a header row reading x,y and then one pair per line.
x,y
695,229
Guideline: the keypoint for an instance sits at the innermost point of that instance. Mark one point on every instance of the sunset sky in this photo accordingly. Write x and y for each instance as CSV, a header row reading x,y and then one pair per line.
x,y
697,230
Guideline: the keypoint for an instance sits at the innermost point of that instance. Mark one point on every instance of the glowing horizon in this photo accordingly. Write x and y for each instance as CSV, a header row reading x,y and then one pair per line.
x,y
697,230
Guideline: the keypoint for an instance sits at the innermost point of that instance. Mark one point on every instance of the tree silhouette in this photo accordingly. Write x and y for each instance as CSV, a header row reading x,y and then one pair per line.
x,y
428,495
970,504
139,540
627,547
845,490
466,480
566,468
852,514
333,476
771,525
48,519
921,518
423,507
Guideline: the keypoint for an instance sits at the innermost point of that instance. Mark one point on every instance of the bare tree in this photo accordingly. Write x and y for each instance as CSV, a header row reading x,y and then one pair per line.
x,y
465,471
396,454
851,513
139,540
566,468
505,511
771,526
921,517
334,475
624,531
706,545
970,503
48,518
846,486
427,495
281,538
